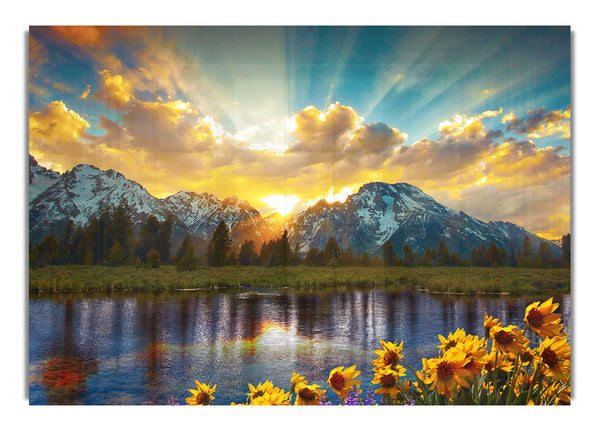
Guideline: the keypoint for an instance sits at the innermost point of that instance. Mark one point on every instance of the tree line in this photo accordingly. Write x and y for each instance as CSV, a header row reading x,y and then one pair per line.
x,y
109,239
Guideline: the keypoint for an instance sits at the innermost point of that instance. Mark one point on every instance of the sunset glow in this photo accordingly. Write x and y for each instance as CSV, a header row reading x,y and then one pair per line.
x,y
284,117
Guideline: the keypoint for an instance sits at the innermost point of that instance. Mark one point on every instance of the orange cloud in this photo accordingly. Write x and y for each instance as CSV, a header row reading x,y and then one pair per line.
x,y
114,90
90,36
37,55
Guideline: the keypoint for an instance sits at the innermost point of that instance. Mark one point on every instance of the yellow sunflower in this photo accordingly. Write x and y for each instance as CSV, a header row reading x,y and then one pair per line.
x,y
276,397
446,372
202,395
308,395
508,339
502,363
555,354
341,380
388,380
541,321
259,390
389,355
296,380
475,350
452,340
488,323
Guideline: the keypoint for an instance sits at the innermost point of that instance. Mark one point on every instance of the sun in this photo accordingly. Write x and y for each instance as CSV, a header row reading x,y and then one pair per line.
x,y
281,203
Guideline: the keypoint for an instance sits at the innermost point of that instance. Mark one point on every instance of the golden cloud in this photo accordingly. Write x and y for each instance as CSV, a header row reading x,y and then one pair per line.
x,y
114,90
539,123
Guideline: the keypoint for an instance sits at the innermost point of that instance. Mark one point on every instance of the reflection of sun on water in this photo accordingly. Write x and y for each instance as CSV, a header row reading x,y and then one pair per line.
x,y
272,327
276,336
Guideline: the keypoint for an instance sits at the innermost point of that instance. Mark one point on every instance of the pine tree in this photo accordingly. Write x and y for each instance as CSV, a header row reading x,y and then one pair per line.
x,y
366,259
188,262
148,238
45,252
527,248
123,232
408,255
544,255
388,253
248,255
284,252
428,257
66,250
116,257
513,258
187,242
443,255
88,259
331,252
163,241
565,257
153,258
219,246
312,257
493,254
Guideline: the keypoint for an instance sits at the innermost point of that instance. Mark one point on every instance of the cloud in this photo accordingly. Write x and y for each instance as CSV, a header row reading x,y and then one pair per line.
x,y
114,90
38,55
85,93
539,123
170,146
55,134
89,36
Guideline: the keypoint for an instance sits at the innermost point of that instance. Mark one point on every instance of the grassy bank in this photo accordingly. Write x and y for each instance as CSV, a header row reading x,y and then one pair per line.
x,y
443,280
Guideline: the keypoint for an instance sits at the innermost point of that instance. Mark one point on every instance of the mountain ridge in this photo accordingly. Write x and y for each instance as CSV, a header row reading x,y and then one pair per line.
x,y
401,213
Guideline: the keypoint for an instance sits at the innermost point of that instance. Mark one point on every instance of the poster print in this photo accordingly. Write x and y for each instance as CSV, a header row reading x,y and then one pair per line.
x,y
299,215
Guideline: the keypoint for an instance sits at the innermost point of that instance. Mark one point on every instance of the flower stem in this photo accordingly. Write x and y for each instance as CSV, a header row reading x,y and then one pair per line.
x,y
421,384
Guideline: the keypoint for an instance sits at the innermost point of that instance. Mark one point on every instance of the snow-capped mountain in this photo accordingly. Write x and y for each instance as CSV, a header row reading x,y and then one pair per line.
x,y
378,212
81,193
201,213
40,178
403,214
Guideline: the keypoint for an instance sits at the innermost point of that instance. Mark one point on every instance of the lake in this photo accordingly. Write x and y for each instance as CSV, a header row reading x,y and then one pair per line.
x,y
145,348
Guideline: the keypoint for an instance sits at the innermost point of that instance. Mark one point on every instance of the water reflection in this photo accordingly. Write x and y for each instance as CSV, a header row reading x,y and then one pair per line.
x,y
143,349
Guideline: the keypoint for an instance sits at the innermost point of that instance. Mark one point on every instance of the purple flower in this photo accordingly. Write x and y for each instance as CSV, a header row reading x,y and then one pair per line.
x,y
370,398
325,401
353,397
173,401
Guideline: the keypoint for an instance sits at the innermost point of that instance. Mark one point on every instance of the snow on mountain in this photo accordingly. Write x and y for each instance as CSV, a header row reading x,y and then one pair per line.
x,y
403,214
40,178
201,213
378,212
82,193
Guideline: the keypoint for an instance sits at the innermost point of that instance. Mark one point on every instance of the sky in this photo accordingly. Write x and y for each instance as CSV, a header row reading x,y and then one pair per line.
x,y
477,117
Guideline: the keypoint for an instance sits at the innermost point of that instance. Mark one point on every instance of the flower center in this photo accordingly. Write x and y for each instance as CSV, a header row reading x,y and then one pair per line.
x,y
202,398
390,358
307,394
526,357
451,343
445,370
503,337
337,381
535,318
388,381
550,357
